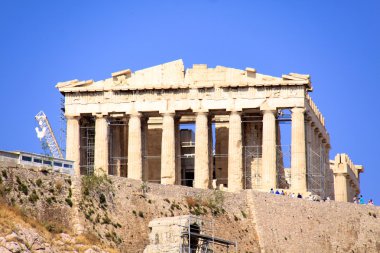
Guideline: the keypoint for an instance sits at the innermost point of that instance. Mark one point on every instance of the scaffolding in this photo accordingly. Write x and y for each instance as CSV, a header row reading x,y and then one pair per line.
x,y
283,162
118,159
198,236
252,166
316,171
87,139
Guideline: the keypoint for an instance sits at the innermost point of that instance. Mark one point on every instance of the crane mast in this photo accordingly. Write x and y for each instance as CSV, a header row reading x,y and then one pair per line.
x,y
47,133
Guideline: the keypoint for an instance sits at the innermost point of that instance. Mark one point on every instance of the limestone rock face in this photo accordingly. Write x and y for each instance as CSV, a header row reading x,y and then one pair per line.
x,y
27,240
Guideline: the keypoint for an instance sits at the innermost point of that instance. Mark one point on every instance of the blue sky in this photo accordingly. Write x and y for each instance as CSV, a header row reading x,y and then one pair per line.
x,y
336,42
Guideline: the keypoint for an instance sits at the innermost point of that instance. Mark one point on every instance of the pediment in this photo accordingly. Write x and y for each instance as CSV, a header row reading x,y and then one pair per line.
x,y
172,75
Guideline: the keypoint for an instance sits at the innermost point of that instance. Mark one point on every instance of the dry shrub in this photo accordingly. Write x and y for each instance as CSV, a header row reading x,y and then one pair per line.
x,y
191,202
58,186
11,215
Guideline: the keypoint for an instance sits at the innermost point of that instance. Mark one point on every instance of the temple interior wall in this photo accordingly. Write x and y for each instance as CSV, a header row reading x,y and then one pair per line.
x,y
221,152
154,153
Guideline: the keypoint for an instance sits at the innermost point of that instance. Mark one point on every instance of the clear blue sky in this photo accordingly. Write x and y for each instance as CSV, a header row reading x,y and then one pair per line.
x,y
336,42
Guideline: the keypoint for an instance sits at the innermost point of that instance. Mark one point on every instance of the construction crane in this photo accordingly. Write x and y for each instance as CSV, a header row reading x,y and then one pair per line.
x,y
44,131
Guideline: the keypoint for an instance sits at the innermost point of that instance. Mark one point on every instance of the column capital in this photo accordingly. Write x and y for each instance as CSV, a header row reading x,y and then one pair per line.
x,y
235,112
171,114
72,117
298,110
269,111
99,115
135,114
201,112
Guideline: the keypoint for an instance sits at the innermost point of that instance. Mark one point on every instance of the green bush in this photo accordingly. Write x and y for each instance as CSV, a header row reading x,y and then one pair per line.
x,y
33,197
39,182
69,202
4,173
23,188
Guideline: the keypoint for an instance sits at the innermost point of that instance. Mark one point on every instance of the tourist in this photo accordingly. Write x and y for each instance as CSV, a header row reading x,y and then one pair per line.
x,y
277,192
282,192
292,195
299,196
355,200
361,200
370,202
271,190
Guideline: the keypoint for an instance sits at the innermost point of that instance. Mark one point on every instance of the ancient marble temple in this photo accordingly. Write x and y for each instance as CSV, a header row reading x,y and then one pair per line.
x,y
199,126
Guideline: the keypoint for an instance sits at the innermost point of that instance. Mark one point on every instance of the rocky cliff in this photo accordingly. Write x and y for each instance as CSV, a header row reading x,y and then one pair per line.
x,y
117,211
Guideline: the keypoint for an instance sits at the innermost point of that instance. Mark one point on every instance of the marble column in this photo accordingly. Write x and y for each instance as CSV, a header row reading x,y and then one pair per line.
x,y
168,148
135,162
235,153
340,184
101,146
178,164
298,154
201,163
73,142
269,173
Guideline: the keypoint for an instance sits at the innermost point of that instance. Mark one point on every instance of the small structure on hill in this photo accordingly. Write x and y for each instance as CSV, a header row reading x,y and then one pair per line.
x,y
32,160
346,178
185,234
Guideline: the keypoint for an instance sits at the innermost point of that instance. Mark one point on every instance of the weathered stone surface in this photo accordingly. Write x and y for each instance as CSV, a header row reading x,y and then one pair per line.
x,y
119,212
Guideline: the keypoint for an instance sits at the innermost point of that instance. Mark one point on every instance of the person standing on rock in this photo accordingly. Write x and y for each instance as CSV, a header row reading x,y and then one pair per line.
x,y
361,200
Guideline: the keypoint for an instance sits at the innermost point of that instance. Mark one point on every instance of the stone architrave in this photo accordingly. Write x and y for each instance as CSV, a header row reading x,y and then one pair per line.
x,y
73,139
101,146
269,150
235,153
201,163
298,152
168,148
135,163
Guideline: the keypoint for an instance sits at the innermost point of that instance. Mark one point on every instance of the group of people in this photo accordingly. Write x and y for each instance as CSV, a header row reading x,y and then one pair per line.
x,y
360,200
357,200
292,195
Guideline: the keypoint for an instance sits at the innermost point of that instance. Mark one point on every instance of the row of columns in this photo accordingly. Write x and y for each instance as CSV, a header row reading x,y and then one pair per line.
x,y
318,149
171,167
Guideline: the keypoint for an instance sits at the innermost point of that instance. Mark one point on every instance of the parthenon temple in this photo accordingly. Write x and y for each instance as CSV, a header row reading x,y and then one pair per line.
x,y
201,127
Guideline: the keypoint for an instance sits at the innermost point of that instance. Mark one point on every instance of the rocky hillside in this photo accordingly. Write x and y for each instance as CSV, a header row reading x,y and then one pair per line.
x,y
20,233
116,211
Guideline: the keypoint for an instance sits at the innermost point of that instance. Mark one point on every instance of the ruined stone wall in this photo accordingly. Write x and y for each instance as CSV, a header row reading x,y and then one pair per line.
x,y
296,225
116,210
121,216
